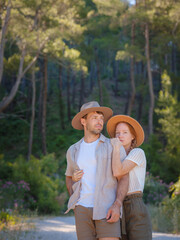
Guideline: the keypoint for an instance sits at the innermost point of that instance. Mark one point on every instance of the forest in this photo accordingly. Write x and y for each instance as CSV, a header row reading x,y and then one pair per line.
x,y
56,55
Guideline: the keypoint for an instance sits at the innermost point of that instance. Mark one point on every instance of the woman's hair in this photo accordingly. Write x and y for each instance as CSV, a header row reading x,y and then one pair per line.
x,y
132,131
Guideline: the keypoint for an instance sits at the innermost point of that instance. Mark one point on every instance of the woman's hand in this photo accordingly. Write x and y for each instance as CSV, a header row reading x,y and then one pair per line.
x,y
116,144
77,175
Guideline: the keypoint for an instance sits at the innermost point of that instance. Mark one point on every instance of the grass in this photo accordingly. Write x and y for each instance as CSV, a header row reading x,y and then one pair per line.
x,y
18,227
164,220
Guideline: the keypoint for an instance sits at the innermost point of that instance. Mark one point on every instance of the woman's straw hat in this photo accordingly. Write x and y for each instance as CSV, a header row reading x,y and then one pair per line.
x,y
87,108
112,123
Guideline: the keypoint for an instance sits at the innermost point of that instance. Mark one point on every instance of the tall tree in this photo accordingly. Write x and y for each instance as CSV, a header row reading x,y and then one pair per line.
x,y
99,76
61,101
68,92
23,32
3,32
150,80
44,106
33,82
81,92
33,26
132,75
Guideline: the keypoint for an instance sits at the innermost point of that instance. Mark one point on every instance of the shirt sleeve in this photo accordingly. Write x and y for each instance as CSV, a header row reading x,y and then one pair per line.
x,y
69,168
137,156
122,153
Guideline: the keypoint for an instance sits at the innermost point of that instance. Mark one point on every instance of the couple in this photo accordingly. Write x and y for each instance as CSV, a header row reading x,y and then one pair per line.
x,y
104,176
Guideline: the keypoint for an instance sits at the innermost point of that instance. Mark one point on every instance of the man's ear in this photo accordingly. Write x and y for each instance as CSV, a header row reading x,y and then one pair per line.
x,y
83,121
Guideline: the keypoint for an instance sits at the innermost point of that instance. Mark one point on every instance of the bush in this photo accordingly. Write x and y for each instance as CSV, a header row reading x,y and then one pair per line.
x,y
34,184
165,216
15,195
5,169
155,189
168,112
5,217
41,174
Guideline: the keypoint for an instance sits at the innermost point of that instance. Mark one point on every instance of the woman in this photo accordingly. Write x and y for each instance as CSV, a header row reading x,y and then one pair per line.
x,y
129,133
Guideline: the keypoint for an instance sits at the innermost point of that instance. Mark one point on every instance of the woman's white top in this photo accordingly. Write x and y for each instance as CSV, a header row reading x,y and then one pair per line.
x,y
138,173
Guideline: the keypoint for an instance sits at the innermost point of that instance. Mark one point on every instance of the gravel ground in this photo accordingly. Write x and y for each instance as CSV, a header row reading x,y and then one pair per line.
x,y
63,228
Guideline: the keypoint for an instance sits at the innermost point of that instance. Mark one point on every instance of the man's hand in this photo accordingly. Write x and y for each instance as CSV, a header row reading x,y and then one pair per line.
x,y
77,175
113,214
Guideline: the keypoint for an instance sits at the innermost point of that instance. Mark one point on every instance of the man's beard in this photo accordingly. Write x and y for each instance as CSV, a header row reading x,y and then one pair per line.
x,y
94,131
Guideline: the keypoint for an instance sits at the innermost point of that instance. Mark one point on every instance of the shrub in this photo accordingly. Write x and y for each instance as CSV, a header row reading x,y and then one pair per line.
x,y
165,216
5,217
5,169
155,189
169,120
41,174
15,195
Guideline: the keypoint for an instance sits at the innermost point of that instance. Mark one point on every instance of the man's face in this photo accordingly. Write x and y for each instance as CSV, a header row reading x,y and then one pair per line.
x,y
93,123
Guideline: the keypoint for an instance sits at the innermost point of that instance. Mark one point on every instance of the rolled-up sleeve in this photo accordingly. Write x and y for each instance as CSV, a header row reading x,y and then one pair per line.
x,y
69,168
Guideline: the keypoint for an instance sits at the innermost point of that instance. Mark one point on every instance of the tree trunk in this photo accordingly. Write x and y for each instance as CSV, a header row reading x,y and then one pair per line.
x,y
81,95
61,102
41,66
115,76
32,116
44,105
150,81
126,104
68,94
92,77
174,62
99,78
133,90
8,99
143,74
74,83
2,36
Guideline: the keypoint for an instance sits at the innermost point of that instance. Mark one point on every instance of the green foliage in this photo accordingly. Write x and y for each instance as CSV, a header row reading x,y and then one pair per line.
x,y
130,51
168,111
153,152
14,130
165,216
175,189
15,195
74,33
6,219
39,175
14,226
11,65
155,190
171,207
35,184
5,169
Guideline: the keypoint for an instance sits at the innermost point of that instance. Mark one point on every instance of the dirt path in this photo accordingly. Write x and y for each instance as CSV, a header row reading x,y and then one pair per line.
x,y
63,228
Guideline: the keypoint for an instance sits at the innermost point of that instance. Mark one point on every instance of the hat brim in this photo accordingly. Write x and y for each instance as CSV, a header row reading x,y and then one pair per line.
x,y
76,123
112,123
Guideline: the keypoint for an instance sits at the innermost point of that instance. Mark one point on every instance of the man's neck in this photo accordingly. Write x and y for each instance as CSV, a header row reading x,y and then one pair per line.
x,y
89,138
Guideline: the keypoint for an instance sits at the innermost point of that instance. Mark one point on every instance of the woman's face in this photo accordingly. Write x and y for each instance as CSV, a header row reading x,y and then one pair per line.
x,y
124,134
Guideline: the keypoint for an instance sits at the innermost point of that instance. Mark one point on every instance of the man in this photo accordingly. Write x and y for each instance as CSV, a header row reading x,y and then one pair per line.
x,y
97,197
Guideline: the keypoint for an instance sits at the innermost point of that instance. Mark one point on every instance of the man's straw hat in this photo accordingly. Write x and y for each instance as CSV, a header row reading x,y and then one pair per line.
x,y
87,108
112,123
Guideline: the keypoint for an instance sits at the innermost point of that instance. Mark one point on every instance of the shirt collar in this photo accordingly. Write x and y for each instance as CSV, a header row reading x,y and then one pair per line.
x,y
101,139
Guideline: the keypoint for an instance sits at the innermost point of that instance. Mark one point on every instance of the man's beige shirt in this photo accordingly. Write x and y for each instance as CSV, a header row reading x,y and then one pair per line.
x,y
106,183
